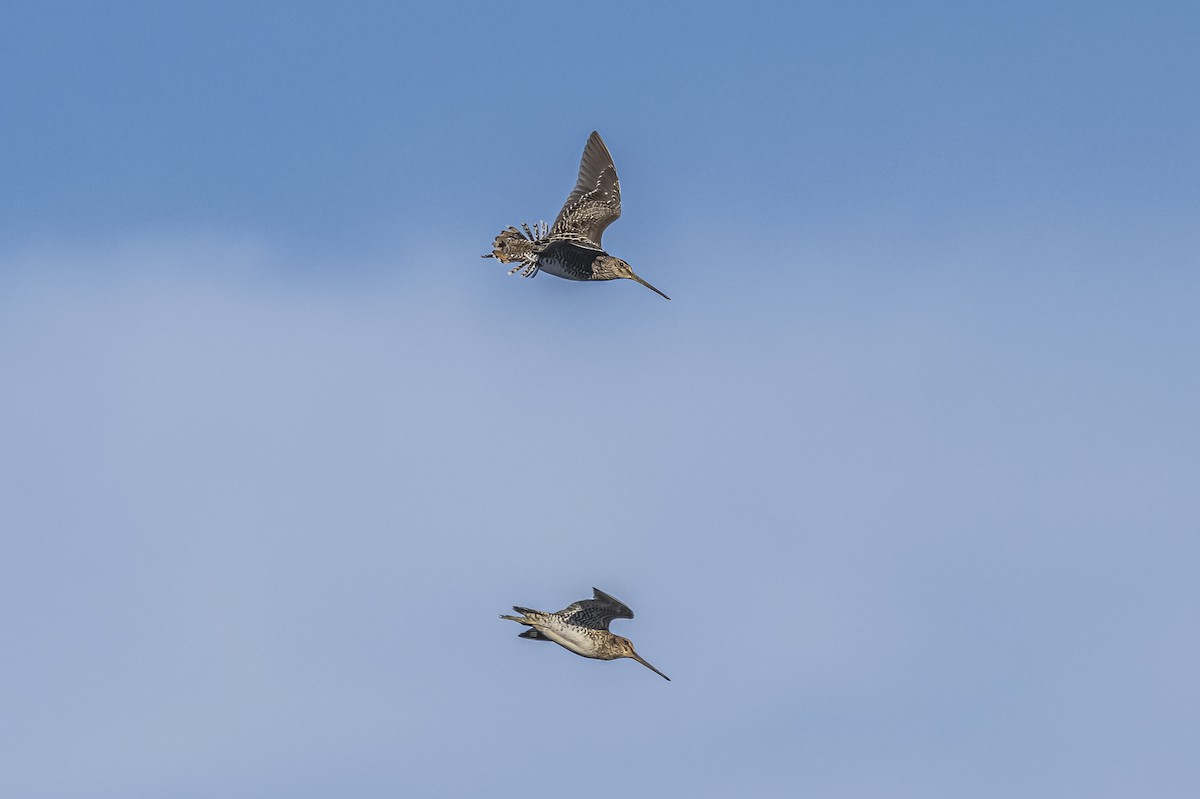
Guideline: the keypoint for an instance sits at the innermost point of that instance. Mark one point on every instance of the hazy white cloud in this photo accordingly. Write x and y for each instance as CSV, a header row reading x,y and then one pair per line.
x,y
259,528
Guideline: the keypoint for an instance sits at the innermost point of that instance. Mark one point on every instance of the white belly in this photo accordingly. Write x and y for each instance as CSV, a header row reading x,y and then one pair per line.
x,y
570,637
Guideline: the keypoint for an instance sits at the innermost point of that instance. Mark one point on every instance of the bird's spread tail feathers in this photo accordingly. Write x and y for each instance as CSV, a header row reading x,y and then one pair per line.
x,y
522,247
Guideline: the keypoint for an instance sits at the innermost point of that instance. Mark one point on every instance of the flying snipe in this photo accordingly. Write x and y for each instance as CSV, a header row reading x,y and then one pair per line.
x,y
571,247
582,627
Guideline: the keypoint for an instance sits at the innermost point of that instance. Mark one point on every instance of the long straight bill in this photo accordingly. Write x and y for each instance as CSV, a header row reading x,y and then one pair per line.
x,y
638,658
664,296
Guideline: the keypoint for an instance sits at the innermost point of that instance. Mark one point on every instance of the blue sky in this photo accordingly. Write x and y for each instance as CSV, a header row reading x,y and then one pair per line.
x,y
902,484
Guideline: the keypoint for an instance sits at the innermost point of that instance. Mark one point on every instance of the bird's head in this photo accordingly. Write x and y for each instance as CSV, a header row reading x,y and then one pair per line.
x,y
627,652
614,268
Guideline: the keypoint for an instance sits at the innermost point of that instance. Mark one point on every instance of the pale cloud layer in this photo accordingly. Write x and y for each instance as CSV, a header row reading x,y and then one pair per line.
x,y
259,529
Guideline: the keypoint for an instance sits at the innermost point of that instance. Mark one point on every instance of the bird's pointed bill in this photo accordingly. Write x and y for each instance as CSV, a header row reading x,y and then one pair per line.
x,y
656,291
638,658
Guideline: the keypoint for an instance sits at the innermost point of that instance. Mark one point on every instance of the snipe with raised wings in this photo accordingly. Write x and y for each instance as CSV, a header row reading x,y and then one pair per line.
x,y
570,248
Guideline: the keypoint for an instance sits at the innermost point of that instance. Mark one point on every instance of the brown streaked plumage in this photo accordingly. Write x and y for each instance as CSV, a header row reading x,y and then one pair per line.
x,y
582,627
571,247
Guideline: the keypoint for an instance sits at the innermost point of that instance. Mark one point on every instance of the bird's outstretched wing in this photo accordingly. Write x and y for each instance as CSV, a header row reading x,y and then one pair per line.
x,y
596,613
595,202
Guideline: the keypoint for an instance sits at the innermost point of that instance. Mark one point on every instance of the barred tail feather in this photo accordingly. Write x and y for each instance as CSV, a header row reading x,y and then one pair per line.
x,y
513,245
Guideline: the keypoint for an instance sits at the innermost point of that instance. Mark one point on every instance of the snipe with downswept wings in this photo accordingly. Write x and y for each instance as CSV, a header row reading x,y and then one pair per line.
x,y
582,627
571,247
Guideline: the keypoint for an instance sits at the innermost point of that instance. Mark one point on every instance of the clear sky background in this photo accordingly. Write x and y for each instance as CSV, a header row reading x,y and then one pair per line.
x,y
903,485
